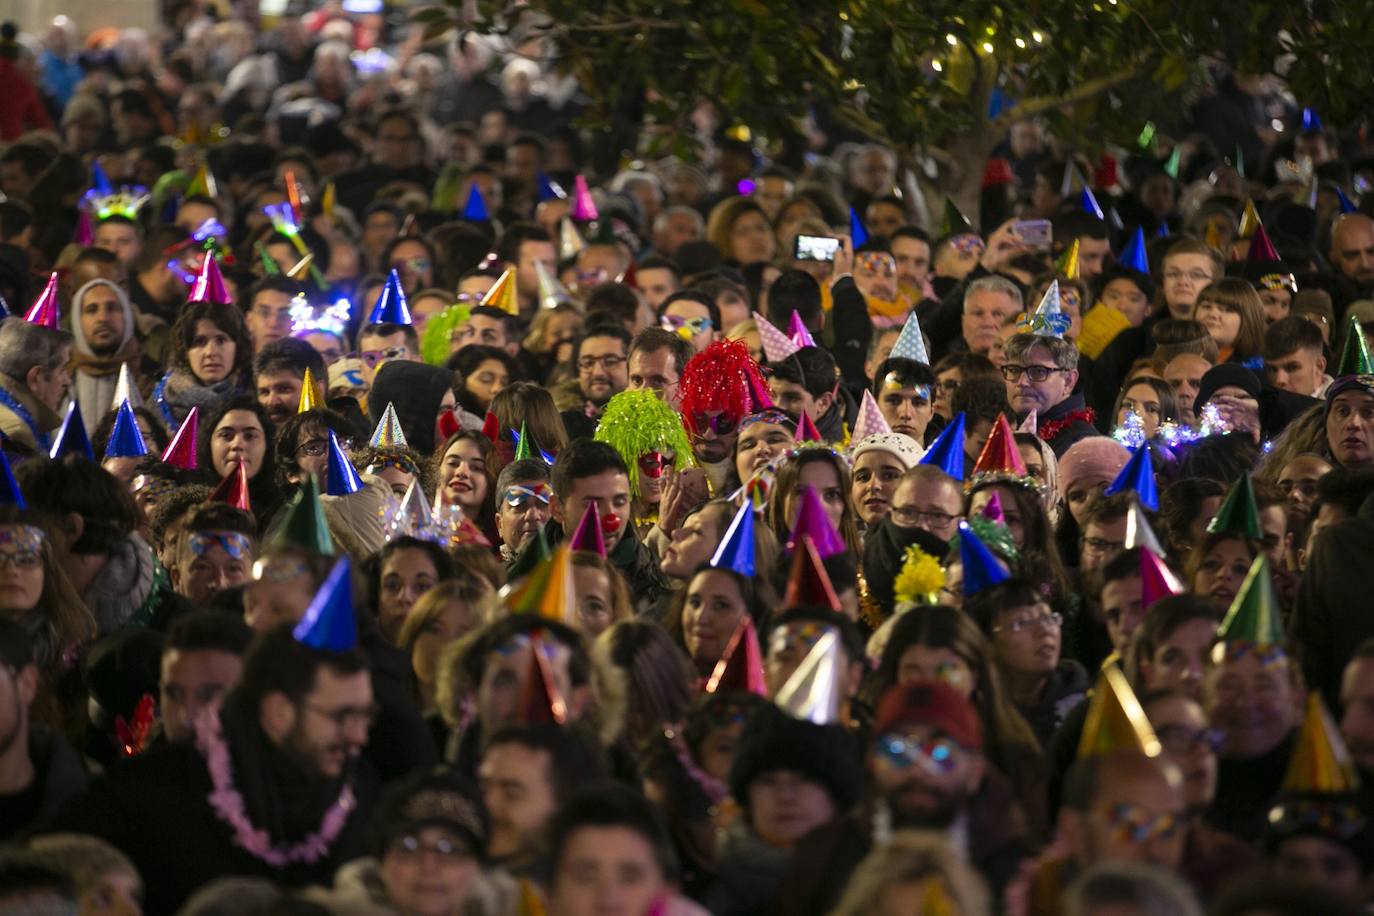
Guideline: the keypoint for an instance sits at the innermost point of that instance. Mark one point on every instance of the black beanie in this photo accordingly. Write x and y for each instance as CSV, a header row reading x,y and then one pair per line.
x,y
826,754
1226,375
415,390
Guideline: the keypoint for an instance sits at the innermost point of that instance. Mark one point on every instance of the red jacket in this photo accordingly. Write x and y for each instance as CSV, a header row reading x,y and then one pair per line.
x,y
21,108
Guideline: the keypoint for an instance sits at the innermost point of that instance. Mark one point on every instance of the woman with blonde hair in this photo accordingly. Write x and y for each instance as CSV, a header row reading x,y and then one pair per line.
x,y
551,336
444,614
740,229
916,871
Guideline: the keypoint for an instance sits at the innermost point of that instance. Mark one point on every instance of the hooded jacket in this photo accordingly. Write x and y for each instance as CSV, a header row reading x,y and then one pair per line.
x,y
94,376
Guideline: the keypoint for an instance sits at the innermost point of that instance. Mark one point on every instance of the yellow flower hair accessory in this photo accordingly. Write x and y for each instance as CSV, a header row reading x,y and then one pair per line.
x,y
921,578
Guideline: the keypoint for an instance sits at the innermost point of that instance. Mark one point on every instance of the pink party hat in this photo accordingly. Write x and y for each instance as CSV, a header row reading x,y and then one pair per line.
x,y
588,535
870,420
812,520
807,431
1031,424
181,451
798,332
992,509
583,207
1156,579
44,309
84,234
777,346
209,285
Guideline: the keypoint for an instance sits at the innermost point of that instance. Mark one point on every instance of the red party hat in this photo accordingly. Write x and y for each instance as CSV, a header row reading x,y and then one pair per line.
x,y
741,664
1000,454
808,583
181,451
233,490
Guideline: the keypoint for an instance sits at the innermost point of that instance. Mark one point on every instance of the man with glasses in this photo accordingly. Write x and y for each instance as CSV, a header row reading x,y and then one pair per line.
x,y
601,358
1041,373
929,499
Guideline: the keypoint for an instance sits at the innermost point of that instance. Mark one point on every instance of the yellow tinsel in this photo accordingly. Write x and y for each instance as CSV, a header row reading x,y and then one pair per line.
x,y
921,577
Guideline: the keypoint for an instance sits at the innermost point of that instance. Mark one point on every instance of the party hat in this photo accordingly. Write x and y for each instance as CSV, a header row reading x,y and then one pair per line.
x,y
777,346
947,451
233,489
547,591
310,394
1212,236
1346,204
629,276
1321,764
588,535
806,429
954,222
1249,221
1087,202
1172,164
1000,454
125,389
741,664
302,268
797,330
209,285
343,478
541,702
1261,248
815,691
1239,513
270,268
1311,122
84,235
1156,579
413,516
1069,178
303,525
992,509
1134,255
1067,265
869,421
736,550
548,189
1239,162
570,240
126,439
388,433
981,567
1138,477
1049,318
10,494
1138,530
1355,357
531,556
1115,719
1254,613
522,444
812,520
44,310
858,234
1031,424
329,623
475,208
583,207
391,305
203,183
551,292
502,294
910,343
100,182
807,582
71,437
327,198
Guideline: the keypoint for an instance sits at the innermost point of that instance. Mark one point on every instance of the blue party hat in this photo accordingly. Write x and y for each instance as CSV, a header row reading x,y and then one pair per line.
x,y
549,189
1089,204
10,494
329,623
1347,205
982,569
126,439
858,233
947,452
1311,122
1163,231
100,182
910,344
391,305
72,438
475,210
736,550
343,479
1138,477
1134,255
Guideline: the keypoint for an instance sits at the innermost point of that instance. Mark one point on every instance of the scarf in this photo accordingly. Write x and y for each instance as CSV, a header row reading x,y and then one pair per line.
x,y
179,391
121,588
1050,430
94,379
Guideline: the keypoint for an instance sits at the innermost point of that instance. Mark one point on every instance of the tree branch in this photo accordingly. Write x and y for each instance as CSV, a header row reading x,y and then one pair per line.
x,y
1029,108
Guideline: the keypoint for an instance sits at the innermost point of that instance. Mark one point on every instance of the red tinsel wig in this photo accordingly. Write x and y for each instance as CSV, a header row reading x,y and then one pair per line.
x,y
724,378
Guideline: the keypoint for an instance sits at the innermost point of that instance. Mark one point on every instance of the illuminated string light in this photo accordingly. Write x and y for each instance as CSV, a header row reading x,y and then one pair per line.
x,y
987,47
1021,43
937,66
1038,37
951,39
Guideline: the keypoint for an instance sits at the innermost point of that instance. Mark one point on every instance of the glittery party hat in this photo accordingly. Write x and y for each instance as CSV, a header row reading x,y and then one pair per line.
x,y
44,310
233,489
310,393
125,389
391,307
1249,221
947,451
981,566
1115,719
736,550
1355,357
588,535
414,517
869,421
1254,612
1321,764
343,478
796,329
547,591
1138,477
812,520
777,346
741,664
1067,265
1134,254
502,294
1000,454
388,433
329,623
551,292
815,691
126,439
71,438
910,344
209,285
807,582
1239,512
1049,318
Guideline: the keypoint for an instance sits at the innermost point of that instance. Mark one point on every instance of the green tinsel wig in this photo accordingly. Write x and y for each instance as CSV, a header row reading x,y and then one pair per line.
x,y
434,345
637,422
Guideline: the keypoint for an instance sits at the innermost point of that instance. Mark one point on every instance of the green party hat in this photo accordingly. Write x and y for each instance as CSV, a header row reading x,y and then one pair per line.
x,y
1254,614
1355,358
1239,513
303,526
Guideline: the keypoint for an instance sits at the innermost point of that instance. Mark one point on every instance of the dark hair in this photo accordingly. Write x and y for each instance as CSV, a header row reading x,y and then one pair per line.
x,y
616,298
794,291
216,414
1109,509
910,372
614,330
1113,272
584,458
573,762
290,354
659,262
1345,488
228,318
221,517
1221,458
1125,565
387,329
610,805
372,566
56,489
985,605
692,295
275,284
501,631
813,368
466,361
1290,334
1178,506
517,234
156,442
203,631
288,438
16,646
980,399
277,663
15,217
910,232
652,340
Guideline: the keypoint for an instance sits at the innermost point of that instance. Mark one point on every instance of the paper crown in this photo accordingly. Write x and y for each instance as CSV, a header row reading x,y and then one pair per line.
x,y
982,569
815,691
806,429
1067,265
548,189
126,439
947,451
1049,318
233,489
954,222
391,305
736,550
475,208
388,433
583,207
741,664
777,346
1134,255
1249,221
1355,356
125,389
329,623
1115,720
1156,579
1000,456
541,702
71,438
1239,513
547,591
502,294
1088,203
807,582
551,292
910,344
869,421
209,285
44,310
1138,530
812,520
303,525
588,535
1138,477
310,393
858,233
1254,613
1321,764
10,494
570,240
797,330
343,478
1261,248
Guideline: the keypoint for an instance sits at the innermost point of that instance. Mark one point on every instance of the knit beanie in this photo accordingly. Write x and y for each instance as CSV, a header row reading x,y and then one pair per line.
x,y
826,754
415,390
1094,458
904,448
1225,375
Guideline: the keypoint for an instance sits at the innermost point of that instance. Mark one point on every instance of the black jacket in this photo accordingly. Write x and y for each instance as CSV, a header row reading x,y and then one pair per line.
x,y
848,331
634,560
1073,432
1329,621
59,776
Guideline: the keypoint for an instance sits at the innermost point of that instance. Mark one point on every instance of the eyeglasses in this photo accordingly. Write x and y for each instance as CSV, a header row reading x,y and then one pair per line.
x,y
1050,621
348,715
677,323
911,517
720,424
21,559
1034,373
371,358
1197,276
412,847
419,265
1180,739
608,362
317,447
938,756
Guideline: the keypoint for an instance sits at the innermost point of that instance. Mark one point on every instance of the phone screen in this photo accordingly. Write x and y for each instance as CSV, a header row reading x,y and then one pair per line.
x,y
816,248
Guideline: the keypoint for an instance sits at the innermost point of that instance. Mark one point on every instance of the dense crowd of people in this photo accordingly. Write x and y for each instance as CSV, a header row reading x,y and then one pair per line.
x,y
413,502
